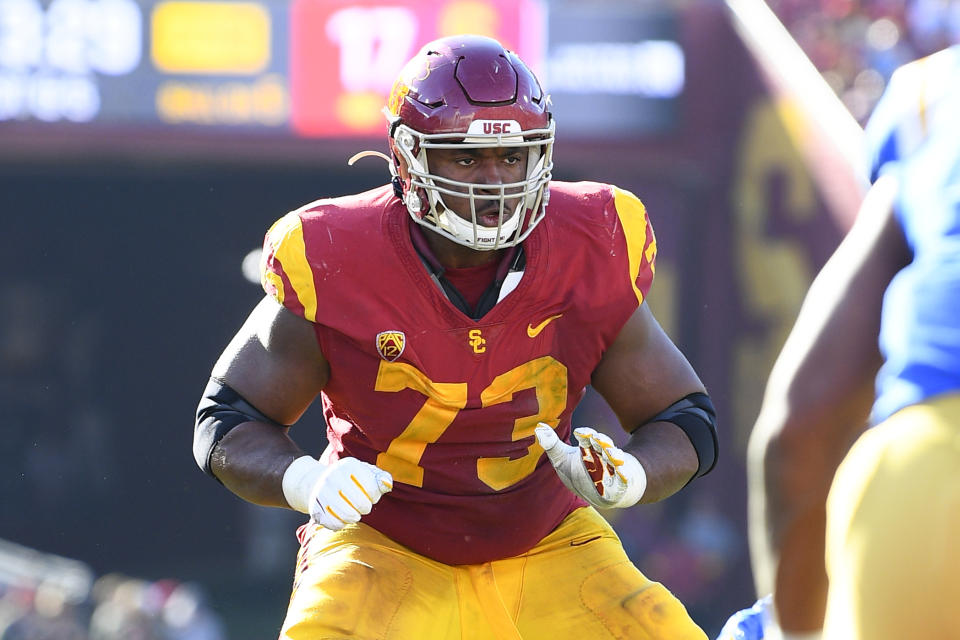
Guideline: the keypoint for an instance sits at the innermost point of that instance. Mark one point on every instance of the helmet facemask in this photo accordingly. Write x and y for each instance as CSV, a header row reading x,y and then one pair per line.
x,y
469,92
520,204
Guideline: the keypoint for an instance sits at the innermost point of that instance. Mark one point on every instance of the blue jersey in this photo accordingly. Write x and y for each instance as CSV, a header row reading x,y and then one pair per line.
x,y
912,107
915,134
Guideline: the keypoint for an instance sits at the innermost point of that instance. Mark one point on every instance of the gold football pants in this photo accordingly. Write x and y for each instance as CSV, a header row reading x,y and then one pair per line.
x,y
576,584
893,521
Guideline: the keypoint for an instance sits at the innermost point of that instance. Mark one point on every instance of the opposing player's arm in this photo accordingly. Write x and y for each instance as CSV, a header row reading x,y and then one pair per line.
x,y
642,374
816,402
272,370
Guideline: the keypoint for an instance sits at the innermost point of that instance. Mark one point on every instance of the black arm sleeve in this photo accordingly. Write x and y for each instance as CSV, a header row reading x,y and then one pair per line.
x,y
698,419
220,410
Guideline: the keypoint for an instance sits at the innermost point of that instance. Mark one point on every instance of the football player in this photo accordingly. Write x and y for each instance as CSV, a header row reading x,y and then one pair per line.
x,y
450,321
875,558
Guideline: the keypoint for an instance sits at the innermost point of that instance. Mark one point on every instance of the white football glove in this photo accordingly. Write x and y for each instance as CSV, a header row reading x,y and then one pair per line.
x,y
334,495
597,471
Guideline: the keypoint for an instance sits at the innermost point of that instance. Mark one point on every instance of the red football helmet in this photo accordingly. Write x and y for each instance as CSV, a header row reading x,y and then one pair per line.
x,y
468,91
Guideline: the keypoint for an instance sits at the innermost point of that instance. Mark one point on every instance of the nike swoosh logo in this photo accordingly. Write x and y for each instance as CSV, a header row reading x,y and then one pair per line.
x,y
534,331
583,541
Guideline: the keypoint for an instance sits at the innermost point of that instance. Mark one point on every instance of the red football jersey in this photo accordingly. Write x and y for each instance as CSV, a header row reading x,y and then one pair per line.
x,y
447,404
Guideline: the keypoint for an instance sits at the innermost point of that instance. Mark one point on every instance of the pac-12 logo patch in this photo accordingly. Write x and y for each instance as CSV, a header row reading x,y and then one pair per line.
x,y
390,344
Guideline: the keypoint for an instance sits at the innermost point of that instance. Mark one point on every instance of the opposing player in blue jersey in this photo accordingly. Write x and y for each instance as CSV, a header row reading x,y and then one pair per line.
x,y
884,538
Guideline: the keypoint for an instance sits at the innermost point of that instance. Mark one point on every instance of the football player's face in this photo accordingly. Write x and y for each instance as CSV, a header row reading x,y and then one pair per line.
x,y
488,166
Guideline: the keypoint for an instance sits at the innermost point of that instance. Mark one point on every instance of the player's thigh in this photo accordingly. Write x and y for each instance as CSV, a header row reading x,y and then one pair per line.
x,y
356,583
893,513
578,583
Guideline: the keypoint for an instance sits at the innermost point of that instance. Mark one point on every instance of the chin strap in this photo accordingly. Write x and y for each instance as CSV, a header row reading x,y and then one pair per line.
x,y
395,180
367,154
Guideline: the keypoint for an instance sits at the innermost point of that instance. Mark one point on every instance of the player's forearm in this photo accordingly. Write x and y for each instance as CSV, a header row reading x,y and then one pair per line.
x,y
800,595
250,461
790,469
817,402
667,456
787,548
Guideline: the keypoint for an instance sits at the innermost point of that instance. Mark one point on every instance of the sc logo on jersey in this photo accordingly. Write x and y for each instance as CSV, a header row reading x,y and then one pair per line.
x,y
390,344
477,341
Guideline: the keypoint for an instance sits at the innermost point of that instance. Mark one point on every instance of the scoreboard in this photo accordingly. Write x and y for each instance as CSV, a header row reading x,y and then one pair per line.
x,y
313,68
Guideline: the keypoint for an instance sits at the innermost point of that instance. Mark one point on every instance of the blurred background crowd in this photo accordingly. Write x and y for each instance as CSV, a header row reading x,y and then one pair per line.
x,y
856,44
48,597
99,497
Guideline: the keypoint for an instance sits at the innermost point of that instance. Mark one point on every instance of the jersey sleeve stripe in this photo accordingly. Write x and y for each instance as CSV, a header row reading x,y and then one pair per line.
x,y
273,284
287,246
641,244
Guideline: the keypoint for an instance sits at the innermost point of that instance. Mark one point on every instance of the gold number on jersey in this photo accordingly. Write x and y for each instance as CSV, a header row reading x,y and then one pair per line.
x,y
549,378
444,400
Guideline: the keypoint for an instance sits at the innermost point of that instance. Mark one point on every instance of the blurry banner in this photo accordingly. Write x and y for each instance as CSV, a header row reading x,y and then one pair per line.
x,y
615,72
344,57
208,37
821,126
218,64
315,68
131,64
307,68
53,58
